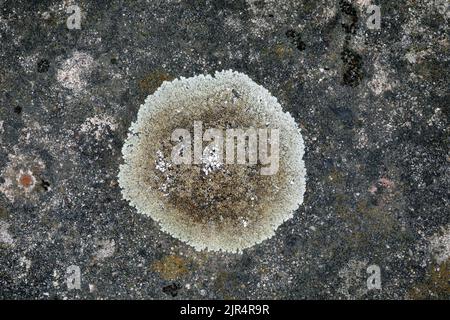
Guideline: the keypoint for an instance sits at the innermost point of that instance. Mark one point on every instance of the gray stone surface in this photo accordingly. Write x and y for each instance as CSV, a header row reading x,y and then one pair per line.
x,y
372,105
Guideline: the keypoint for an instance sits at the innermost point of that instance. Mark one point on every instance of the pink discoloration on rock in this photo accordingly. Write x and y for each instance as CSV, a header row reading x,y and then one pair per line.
x,y
74,71
386,183
373,189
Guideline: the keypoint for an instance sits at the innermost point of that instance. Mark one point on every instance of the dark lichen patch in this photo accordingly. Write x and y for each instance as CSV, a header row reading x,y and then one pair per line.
x,y
296,39
433,70
292,244
368,223
345,115
349,16
375,220
352,70
225,284
152,81
436,284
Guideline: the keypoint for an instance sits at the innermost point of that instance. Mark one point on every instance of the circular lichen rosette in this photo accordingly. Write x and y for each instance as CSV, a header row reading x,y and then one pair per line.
x,y
213,204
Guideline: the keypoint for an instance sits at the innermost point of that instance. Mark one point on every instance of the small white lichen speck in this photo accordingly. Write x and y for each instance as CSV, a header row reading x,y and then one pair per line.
x,y
105,249
440,245
97,125
5,236
74,71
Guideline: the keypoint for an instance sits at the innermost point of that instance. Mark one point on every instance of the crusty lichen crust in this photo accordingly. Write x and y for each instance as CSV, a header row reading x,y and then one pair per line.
x,y
231,207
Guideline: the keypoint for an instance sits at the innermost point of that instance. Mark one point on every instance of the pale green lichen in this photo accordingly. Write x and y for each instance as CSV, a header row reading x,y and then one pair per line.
x,y
231,207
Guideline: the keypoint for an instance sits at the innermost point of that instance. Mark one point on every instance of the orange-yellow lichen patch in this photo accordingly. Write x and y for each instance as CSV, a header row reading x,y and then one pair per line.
x,y
26,180
170,267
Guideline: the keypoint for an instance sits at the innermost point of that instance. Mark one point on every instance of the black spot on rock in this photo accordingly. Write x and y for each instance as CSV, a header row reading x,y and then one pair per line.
x,y
43,65
45,185
142,253
171,289
18,109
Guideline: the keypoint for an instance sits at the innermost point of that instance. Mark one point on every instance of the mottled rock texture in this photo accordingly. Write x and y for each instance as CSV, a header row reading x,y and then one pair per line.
x,y
372,105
